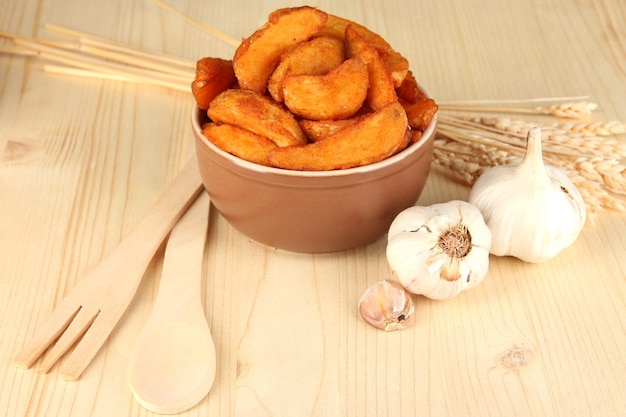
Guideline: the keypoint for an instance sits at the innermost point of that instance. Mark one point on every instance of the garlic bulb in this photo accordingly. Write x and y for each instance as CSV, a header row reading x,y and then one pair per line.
x,y
533,210
440,250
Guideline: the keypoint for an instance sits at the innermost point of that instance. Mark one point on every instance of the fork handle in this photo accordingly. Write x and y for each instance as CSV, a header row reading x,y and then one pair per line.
x,y
138,248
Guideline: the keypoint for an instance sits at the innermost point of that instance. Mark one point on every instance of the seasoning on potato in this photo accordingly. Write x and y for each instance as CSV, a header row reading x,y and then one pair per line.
x,y
312,91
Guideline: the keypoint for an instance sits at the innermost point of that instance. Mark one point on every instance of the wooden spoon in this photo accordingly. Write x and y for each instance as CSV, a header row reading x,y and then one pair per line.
x,y
173,364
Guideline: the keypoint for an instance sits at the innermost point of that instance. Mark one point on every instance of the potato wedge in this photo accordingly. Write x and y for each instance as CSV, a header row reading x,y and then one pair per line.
x,y
419,108
320,130
396,64
239,142
372,139
335,26
315,57
258,55
317,130
420,113
408,91
258,114
213,75
382,90
336,95
409,138
416,135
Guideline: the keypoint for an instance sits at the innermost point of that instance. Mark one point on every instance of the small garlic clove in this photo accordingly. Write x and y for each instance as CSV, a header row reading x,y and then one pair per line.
x,y
386,305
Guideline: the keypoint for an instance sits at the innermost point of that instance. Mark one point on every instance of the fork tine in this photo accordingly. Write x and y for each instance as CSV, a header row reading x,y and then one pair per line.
x,y
72,333
85,350
52,328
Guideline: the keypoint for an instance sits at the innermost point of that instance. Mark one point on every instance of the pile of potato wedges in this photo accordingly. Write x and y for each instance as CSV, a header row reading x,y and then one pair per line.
x,y
311,91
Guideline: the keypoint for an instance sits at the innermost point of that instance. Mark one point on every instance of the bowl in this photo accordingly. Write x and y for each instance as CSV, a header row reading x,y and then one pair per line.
x,y
312,212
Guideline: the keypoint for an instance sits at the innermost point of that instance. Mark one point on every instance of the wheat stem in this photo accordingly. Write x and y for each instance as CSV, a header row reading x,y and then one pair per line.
x,y
574,110
220,35
84,40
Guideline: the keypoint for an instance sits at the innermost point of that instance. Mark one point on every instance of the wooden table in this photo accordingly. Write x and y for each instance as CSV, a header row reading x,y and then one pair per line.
x,y
81,160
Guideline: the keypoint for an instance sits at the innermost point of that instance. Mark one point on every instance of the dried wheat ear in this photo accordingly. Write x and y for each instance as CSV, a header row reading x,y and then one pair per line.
x,y
590,152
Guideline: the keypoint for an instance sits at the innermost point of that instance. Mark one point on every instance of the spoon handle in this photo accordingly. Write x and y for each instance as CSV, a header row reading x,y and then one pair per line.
x,y
182,265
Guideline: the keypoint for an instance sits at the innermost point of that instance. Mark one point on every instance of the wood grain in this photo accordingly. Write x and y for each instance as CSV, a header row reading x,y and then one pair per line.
x,y
82,160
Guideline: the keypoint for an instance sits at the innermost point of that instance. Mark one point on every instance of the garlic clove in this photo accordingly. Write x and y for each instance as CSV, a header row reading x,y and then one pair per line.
x,y
386,305
533,210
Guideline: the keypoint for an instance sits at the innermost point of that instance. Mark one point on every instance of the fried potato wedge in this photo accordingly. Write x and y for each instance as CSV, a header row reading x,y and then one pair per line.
x,y
336,95
409,138
239,142
258,114
372,139
213,75
419,108
335,26
421,113
416,135
408,91
315,57
381,90
317,130
258,55
396,64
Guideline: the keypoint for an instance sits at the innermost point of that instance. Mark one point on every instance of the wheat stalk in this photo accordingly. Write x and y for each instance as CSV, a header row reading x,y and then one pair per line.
x,y
587,129
573,110
214,32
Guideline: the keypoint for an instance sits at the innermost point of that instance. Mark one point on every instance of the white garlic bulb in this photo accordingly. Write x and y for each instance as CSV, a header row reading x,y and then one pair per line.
x,y
439,251
533,210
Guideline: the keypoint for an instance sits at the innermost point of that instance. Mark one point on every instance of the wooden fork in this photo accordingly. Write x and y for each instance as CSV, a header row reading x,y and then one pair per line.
x,y
94,306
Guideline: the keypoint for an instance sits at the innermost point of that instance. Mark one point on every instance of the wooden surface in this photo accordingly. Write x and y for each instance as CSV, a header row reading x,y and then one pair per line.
x,y
82,160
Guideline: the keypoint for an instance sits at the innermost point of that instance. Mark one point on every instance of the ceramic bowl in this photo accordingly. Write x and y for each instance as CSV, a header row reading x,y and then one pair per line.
x,y
312,212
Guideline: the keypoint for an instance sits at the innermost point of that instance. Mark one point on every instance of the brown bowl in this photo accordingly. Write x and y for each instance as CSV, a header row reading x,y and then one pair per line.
x,y
303,211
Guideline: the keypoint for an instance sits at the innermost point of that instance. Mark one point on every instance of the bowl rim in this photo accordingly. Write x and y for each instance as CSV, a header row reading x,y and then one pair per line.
x,y
427,135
